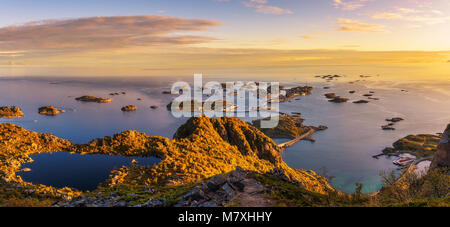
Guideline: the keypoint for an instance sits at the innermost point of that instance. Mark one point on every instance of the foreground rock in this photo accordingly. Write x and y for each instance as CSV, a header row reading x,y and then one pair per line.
x,y
111,201
88,98
129,108
10,112
238,187
50,110
442,156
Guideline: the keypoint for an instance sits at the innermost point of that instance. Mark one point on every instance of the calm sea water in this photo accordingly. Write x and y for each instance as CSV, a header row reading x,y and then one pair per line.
x,y
345,149
83,172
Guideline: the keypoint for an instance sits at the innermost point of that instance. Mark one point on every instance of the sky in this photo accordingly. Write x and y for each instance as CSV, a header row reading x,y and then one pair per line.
x,y
179,36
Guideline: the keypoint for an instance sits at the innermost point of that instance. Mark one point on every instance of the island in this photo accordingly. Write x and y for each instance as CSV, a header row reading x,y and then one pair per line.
x,y
49,110
129,108
88,98
10,112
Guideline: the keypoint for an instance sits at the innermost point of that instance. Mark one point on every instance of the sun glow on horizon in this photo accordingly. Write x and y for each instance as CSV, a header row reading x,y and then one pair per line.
x,y
222,35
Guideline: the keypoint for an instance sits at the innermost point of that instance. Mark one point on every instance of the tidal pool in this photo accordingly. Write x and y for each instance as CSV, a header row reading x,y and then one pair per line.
x,y
83,172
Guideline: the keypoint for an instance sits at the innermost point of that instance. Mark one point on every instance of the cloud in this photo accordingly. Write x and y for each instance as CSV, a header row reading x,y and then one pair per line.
x,y
308,37
103,33
429,17
348,5
349,25
387,16
262,7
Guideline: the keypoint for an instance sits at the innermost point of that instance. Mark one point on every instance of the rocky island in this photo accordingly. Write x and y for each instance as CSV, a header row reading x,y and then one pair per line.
x,y
87,98
338,99
288,127
361,102
10,112
49,110
334,98
129,108
294,92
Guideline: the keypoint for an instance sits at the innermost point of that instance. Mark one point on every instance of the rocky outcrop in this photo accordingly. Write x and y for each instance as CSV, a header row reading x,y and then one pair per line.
x,y
10,112
50,110
17,143
88,98
247,139
442,156
288,127
129,108
201,148
238,186
421,145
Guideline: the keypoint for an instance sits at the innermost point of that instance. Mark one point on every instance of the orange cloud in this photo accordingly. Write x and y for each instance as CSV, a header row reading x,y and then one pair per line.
x,y
261,7
348,5
413,15
103,33
308,37
348,25
387,16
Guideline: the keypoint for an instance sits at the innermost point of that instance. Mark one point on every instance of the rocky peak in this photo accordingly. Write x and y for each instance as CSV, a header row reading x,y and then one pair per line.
x,y
442,157
248,139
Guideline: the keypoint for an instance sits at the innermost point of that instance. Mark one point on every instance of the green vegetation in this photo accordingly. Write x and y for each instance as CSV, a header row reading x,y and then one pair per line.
x,y
422,145
410,189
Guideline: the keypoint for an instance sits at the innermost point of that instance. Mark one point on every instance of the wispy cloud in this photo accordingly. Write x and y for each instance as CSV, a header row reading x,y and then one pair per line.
x,y
349,25
348,5
103,33
421,16
262,7
308,37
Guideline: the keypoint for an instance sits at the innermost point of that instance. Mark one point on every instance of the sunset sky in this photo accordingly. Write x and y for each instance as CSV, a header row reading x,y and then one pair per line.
x,y
148,37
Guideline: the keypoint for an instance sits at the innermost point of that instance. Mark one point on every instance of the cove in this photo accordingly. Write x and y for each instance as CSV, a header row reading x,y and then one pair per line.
x,y
82,172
